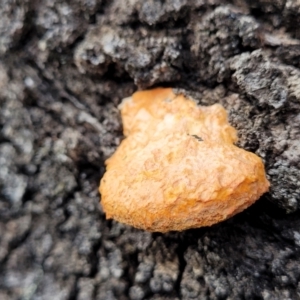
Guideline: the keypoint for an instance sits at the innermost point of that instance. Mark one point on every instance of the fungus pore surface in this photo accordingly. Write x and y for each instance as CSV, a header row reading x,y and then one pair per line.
x,y
178,167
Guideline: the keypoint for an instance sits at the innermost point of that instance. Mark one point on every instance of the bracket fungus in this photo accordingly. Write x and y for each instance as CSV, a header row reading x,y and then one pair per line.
x,y
178,167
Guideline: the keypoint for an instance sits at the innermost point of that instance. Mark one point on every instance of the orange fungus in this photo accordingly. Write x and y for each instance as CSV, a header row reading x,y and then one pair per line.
x,y
178,167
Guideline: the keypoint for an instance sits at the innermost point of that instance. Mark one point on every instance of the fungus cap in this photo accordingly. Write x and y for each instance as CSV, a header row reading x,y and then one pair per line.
x,y
178,167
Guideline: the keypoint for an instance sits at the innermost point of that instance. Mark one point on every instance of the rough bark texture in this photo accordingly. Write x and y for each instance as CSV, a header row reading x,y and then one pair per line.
x,y
65,66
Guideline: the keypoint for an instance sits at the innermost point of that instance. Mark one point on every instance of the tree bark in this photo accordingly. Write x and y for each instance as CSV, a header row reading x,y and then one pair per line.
x,y
64,68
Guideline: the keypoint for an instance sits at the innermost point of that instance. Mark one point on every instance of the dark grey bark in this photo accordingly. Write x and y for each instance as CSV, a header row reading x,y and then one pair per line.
x,y
65,66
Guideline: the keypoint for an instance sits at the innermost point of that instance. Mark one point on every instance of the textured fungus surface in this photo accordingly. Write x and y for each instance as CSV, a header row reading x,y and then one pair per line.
x,y
178,167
